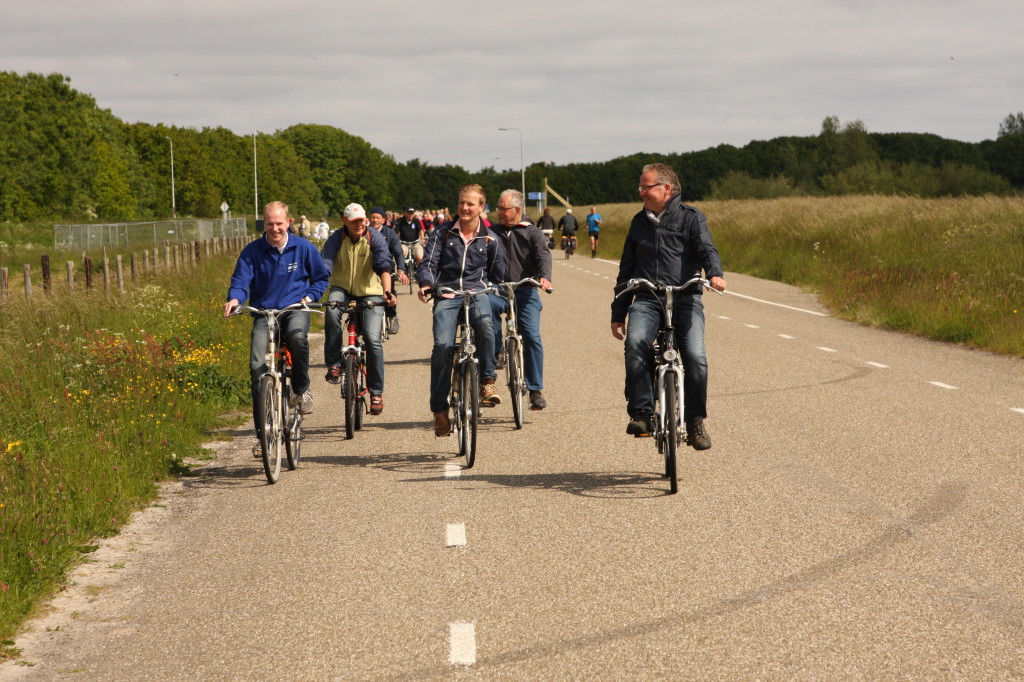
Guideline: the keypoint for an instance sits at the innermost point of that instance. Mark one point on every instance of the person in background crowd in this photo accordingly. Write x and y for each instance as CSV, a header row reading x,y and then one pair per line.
x,y
568,225
594,230
411,233
376,218
323,230
547,226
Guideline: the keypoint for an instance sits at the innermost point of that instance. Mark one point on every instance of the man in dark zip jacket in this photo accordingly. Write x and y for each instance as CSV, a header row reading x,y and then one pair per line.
x,y
668,243
526,251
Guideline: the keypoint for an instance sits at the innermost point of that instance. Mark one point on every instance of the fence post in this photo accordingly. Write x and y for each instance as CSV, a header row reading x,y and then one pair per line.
x,y
195,251
71,275
145,260
46,272
106,275
167,256
28,281
3,285
132,263
120,271
88,272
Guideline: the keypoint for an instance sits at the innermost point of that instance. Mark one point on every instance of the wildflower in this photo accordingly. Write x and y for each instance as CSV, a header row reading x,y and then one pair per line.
x,y
11,446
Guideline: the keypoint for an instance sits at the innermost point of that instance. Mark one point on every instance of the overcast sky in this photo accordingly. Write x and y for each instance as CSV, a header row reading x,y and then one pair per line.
x,y
584,81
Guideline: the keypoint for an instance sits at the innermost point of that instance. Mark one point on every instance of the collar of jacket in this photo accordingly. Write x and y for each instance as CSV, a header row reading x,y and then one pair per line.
x,y
481,230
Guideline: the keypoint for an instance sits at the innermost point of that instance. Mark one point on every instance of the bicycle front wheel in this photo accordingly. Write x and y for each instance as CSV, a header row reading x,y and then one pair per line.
x,y
270,436
670,429
292,430
348,392
360,393
514,368
470,407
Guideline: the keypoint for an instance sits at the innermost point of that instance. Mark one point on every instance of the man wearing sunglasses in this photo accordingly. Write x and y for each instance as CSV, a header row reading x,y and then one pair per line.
x,y
668,242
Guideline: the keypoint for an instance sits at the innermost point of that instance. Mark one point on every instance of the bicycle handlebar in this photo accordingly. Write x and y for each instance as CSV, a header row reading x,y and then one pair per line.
x,y
308,307
502,286
657,287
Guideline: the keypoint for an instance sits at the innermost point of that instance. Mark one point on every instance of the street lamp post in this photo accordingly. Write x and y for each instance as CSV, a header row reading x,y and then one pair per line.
x,y
522,164
174,205
255,179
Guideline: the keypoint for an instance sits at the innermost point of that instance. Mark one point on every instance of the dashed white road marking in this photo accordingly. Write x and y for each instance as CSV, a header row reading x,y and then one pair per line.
x,y
723,317
942,385
461,643
878,365
1018,409
786,336
752,326
827,349
452,470
455,535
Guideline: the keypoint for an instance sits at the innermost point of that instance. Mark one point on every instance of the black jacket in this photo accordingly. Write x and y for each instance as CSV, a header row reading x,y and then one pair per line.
x,y
526,251
670,252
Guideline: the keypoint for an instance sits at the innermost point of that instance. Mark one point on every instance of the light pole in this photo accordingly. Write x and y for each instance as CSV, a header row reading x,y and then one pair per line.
x,y
255,179
522,165
174,205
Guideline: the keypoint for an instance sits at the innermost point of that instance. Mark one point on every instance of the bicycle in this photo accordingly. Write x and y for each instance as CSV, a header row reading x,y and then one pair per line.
x,y
282,420
353,355
668,374
410,263
569,245
514,347
464,395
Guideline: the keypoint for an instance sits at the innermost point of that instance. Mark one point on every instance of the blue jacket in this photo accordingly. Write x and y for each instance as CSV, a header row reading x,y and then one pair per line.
x,y
269,278
449,262
394,246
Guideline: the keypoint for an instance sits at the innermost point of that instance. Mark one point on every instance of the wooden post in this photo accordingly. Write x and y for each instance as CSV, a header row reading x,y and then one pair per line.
x,y
167,256
195,251
133,265
71,275
106,275
120,271
145,260
88,273
46,273
28,281
3,285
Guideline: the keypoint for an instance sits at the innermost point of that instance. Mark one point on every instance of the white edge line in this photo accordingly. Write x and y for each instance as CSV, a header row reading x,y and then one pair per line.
x,y
1018,409
461,643
780,305
942,385
455,535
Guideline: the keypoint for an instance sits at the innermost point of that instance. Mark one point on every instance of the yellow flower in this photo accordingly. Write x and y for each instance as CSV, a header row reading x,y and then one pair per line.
x,y
11,446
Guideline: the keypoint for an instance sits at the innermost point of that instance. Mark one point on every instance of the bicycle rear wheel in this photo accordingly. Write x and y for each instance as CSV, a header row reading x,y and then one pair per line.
x,y
292,430
470,407
269,406
514,369
348,392
670,429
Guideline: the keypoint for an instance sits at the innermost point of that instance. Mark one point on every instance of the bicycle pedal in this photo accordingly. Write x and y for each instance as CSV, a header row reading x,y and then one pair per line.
x,y
642,435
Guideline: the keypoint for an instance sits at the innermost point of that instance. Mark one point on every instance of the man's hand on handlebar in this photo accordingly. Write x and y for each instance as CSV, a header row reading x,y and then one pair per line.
x,y
423,293
717,283
230,306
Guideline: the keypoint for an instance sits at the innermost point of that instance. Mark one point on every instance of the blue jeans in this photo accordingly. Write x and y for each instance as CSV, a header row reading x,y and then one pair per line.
x,y
528,307
446,319
370,323
644,321
294,331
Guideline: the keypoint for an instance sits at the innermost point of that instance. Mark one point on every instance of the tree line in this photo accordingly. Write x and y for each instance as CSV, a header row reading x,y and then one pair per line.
x,y
64,158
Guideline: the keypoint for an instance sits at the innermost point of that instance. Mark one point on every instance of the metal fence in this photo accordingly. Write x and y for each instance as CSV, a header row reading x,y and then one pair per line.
x,y
126,235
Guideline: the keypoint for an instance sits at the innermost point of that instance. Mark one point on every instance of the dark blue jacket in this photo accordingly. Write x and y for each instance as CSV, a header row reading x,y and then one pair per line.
x,y
670,252
269,278
449,262
394,246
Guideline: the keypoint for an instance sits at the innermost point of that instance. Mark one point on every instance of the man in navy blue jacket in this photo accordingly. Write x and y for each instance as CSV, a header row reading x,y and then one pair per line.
x,y
275,271
462,254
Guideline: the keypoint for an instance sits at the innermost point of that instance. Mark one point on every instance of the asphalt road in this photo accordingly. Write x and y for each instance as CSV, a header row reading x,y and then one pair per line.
x,y
859,517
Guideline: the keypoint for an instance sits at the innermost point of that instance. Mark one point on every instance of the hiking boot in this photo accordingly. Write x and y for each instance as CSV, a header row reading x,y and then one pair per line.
x,y
499,360
641,425
333,375
257,450
393,326
489,394
442,425
696,435
376,404
306,405
537,401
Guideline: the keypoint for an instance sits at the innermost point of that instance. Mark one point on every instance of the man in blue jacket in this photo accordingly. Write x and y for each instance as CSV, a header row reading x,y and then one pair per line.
x,y
462,254
668,242
376,218
275,271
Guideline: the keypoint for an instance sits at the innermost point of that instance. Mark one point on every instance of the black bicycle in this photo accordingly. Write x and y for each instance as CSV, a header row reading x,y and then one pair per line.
x,y
513,342
277,405
669,432
569,245
410,263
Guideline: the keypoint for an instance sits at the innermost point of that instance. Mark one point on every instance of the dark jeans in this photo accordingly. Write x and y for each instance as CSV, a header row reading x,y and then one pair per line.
x,y
294,330
528,307
446,319
370,321
642,327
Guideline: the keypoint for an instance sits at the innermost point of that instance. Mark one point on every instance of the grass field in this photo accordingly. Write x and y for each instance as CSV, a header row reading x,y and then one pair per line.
x,y
946,269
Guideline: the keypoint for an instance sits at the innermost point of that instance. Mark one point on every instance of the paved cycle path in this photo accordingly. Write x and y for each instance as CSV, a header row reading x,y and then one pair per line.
x,y
859,516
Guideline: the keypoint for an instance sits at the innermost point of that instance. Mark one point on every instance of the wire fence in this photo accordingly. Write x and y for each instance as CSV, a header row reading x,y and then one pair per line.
x,y
127,235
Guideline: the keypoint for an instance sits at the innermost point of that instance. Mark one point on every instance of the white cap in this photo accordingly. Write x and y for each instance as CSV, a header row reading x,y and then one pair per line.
x,y
353,211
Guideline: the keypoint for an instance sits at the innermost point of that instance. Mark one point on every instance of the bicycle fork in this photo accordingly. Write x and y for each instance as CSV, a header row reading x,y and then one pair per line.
x,y
677,370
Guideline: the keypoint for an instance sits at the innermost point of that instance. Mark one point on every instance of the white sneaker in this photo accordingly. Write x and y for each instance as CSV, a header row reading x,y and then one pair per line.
x,y
307,403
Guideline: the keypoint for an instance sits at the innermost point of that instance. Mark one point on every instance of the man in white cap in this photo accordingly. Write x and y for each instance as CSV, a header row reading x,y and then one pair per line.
x,y
360,266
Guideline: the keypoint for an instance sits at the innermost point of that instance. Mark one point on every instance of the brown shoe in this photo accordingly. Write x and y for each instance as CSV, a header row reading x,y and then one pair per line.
x,y
442,424
697,434
489,394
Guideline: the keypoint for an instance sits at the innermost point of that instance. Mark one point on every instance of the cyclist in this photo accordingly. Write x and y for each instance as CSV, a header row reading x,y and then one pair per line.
x,y
547,225
410,229
359,264
276,271
594,230
376,219
568,225
668,242
461,254
527,255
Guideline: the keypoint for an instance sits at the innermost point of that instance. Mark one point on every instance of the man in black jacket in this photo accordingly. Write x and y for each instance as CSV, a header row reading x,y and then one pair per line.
x,y
669,243
527,255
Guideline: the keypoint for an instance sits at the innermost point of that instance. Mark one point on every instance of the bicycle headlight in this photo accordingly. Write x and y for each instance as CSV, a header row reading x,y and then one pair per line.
x,y
268,358
670,354
470,349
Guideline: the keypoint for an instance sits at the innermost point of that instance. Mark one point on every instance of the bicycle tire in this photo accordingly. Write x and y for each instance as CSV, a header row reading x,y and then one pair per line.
x,y
670,429
471,411
514,369
348,392
410,271
270,436
360,394
292,431
455,405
